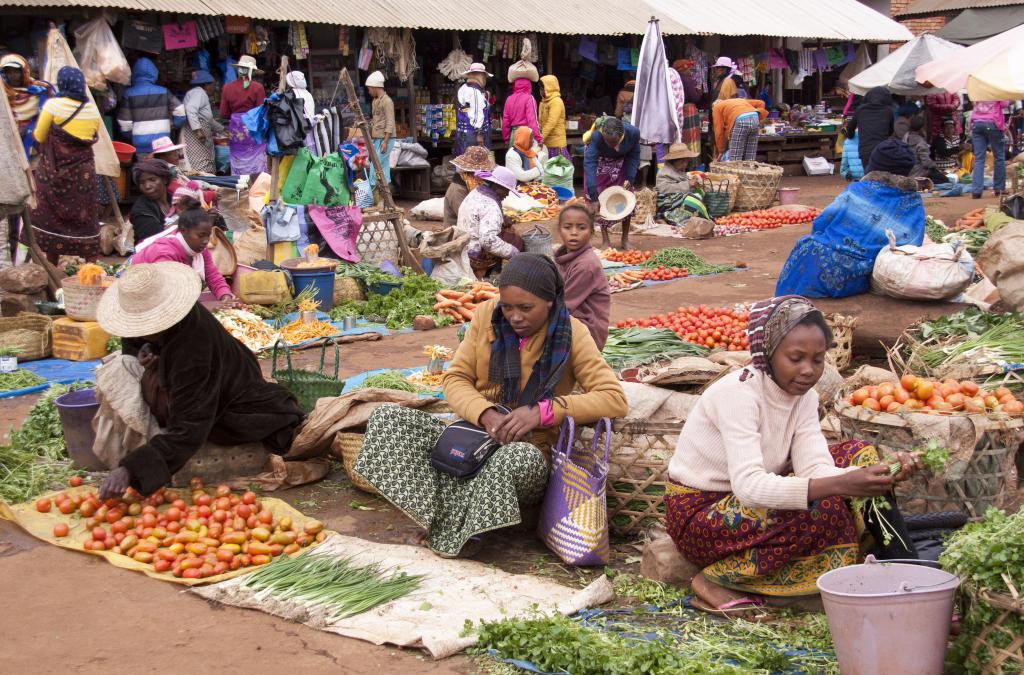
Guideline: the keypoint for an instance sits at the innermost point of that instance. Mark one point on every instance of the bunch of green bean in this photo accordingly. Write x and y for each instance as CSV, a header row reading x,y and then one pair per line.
x,y
338,583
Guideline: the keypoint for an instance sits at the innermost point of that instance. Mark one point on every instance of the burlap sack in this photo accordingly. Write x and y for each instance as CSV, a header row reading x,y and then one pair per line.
x,y
1002,261
867,376
696,227
692,370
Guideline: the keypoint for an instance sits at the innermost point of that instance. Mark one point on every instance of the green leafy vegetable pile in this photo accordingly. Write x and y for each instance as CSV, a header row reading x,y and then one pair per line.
x,y
398,308
19,379
36,459
390,379
935,229
629,347
970,322
684,257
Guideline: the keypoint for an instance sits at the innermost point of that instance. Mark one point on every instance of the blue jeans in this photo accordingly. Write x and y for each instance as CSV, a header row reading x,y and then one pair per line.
x,y
985,135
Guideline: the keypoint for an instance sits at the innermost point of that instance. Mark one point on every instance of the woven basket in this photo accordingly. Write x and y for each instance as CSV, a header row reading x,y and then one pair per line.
x,y
347,446
758,182
637,465
841,356
377,242
347,288
309,386
713,182
81,300
989,478
999,646
30,334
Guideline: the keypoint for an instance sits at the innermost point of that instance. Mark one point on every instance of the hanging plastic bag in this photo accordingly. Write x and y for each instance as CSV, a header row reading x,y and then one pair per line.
x,y
558,172
326,183
257,124
340,227
295,183
99,55
281,221
364,193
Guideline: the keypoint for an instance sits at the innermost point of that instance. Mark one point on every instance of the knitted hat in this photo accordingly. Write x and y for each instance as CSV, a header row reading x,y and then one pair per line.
x,y
148,299
892,156
375,79
534,273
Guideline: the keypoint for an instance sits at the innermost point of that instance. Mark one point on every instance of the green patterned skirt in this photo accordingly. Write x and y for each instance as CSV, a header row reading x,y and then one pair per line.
x,y
395,459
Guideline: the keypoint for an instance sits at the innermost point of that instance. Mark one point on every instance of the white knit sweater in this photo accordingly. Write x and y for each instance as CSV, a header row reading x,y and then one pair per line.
x,y
744,437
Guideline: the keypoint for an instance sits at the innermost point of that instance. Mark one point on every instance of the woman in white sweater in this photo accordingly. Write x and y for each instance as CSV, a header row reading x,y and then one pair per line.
x,y
525,159
758,497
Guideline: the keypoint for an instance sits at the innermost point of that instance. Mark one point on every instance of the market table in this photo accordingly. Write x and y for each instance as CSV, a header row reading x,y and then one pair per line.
x,y
789,150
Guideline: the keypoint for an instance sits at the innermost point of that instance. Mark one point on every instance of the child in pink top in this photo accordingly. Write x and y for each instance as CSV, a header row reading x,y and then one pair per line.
x,y
188,246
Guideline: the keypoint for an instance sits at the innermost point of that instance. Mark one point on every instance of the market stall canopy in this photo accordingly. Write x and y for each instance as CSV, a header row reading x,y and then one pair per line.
x,y
832,19
951,72
1001,78
975,25
896,71
925,7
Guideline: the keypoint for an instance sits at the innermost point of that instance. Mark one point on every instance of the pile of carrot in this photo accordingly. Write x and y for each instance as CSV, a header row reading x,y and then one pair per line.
x,y
460,305
972,220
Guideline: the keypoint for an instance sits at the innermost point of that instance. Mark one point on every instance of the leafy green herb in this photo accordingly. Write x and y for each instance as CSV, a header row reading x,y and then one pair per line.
x,y
935,229
684,257
10,351
390,379
970,322
114,345
934,457
402,305
19,379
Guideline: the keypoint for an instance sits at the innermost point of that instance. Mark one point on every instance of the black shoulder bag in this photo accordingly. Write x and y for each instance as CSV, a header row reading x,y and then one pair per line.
x,y
463,448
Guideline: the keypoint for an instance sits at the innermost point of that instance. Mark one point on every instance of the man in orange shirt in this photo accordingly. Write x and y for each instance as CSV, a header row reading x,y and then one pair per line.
x,y
737,122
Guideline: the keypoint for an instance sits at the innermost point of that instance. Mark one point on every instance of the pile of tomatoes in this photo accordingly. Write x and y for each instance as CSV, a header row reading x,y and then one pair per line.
x,y
712,327
208,535
767,219
662,273
919,394
629,257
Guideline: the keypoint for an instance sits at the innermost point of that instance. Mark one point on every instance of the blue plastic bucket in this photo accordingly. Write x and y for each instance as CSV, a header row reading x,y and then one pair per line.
x,y
320,280
564,194
76,410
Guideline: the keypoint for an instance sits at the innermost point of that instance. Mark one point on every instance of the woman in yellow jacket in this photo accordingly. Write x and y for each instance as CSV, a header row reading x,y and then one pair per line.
x,y
552,118
737,123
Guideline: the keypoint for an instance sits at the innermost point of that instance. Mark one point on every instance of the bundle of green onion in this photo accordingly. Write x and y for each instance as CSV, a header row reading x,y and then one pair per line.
x,y
1001,341
873,508
344,588
630,347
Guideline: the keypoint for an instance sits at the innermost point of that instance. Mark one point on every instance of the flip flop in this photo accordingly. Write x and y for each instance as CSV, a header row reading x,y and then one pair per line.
x,y
732,608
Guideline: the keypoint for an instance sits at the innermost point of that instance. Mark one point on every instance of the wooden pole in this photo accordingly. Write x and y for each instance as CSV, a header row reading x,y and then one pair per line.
x,y
275,162
393,214
551,55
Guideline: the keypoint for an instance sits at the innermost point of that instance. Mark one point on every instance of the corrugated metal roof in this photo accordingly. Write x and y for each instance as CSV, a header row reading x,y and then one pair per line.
x,y
830,20
919,7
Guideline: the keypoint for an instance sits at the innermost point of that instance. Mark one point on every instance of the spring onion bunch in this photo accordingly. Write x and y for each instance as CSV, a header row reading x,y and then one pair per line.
x,y
627,347
873,508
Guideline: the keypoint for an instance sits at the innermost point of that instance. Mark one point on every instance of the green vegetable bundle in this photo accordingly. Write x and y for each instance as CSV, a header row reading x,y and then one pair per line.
x,y
630,347
399,307
340,585
355,270
935,229
390,379
684,257
19,379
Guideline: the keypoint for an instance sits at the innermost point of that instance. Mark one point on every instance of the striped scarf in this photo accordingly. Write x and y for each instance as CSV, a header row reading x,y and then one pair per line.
x,y
770,321
504,369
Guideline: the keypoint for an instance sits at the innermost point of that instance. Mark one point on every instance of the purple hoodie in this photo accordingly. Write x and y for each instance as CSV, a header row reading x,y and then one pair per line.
x,y
520,110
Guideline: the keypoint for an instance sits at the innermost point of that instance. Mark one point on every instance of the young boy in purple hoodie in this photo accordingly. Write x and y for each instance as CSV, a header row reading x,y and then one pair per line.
x,y
587,296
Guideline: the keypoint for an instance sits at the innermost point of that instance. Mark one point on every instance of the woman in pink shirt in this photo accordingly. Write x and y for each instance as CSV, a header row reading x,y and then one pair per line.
x,y
520,111
187,244
988,128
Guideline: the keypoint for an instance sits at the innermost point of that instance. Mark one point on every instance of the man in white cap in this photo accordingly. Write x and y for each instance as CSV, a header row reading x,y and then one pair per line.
x,y
473,110
382,124
237,98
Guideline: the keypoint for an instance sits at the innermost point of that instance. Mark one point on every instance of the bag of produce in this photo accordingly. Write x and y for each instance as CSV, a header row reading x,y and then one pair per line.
x,y
558,172
523,68
264,288
1002,261
929,272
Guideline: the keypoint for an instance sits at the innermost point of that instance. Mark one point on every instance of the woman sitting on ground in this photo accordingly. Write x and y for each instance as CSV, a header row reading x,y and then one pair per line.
x,y
492,239
151,210
524,352
525,159
757,497
673,183
464,180
187,242
196,381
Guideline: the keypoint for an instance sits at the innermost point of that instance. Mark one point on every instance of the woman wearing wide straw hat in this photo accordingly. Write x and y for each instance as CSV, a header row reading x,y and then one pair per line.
x,y
473,110
491,240
464,180
237,98
673,184
198,382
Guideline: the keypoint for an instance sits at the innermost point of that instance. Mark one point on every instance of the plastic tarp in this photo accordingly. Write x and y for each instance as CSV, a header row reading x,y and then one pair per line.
x,y
1000,78
896,71
40,526
952,71
975,25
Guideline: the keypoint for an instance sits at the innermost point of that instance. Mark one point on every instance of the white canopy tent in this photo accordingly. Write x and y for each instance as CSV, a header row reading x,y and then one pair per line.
x,y
952,71
1001,77
897,70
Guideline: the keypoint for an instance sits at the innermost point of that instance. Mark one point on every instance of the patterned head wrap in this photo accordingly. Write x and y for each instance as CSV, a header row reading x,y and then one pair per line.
x,y
770,321
71,83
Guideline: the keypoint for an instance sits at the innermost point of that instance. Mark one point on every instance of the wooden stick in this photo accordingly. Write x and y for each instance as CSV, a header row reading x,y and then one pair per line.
x,y
387,200
38,256
112,191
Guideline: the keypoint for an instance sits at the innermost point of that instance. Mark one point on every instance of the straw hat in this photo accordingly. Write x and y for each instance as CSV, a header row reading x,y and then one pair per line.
x,y
616,203
247,62
477,68
376,79
679,151
475,158
148,299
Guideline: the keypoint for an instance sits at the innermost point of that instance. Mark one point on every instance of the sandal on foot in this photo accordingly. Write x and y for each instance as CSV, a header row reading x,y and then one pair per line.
x,y
731,608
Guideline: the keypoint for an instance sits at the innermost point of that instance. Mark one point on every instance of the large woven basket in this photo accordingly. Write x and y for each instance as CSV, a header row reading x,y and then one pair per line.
x,y
81,300
988,479
347,446
841,355
758,182
637,466
30,334
999,645
377,242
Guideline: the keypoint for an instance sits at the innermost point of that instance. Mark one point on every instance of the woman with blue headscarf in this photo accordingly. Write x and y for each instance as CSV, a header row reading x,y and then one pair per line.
x,y
66,219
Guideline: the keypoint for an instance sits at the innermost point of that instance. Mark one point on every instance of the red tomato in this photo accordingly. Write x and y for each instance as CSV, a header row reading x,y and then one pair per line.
x,y
60,530
66,507
43,505
75,481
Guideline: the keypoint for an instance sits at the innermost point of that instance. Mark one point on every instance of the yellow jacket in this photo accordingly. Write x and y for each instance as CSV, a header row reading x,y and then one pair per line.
x,y
469,393
551,114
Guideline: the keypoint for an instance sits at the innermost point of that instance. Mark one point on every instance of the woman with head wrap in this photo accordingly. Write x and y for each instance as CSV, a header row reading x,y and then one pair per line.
x,y
24,93
473,110
66,218
151,210
757,498
525,353
200,126
872,121
525,159
612,158
837,258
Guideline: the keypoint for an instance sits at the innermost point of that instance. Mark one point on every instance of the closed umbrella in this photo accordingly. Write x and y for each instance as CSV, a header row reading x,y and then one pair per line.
x,y
952,71
654,112
896,72
1000,78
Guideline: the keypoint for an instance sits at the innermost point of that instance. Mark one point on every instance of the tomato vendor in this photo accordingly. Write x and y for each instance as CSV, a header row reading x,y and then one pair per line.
x,y
182,380
757,497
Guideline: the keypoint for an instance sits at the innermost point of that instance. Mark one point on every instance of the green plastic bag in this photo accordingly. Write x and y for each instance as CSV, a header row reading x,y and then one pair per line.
x,y
326,184
558,172
291,191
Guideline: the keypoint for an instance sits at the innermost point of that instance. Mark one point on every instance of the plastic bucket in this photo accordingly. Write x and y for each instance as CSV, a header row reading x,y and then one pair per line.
x,y
76,410
564,193
320,280
889,617
788,195
124,152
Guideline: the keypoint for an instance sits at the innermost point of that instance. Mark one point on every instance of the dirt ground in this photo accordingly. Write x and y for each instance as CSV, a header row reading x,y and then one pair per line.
x,y
126,621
